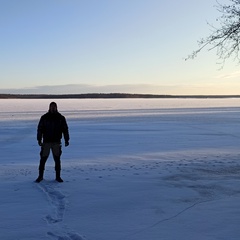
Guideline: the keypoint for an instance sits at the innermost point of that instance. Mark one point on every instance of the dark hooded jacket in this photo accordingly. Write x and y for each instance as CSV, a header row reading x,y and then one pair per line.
x,y
51,127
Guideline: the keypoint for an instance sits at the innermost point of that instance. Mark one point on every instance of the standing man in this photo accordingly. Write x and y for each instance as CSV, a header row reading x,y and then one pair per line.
x,y
51,127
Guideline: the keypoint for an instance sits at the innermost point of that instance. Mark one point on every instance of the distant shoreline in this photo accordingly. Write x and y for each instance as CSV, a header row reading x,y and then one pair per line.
x,y
106,96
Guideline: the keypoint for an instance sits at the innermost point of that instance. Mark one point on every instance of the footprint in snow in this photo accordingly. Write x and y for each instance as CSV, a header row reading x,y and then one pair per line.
x,y
58,202
68,236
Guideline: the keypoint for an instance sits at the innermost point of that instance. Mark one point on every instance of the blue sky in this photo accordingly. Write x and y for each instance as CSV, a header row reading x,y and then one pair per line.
x,y
134,46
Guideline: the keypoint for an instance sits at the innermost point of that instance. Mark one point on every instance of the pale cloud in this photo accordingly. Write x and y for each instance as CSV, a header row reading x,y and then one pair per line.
x,y
85,88
235,74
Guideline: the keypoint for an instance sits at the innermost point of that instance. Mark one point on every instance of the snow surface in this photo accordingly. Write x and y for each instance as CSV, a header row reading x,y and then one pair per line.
x,y
135,170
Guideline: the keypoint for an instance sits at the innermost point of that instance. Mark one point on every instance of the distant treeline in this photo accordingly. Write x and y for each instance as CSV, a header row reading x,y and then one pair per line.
x,y
106,95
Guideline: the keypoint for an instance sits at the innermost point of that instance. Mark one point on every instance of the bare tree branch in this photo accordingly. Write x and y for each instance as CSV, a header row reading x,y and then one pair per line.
x,y
226,38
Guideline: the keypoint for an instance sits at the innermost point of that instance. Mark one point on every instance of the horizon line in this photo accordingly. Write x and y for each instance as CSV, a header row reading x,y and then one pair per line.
x,y
109,95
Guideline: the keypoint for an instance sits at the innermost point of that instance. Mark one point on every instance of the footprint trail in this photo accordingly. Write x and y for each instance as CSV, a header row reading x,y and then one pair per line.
x,y
57,202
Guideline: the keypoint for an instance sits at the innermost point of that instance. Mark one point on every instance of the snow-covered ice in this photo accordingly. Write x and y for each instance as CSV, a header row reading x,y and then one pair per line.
x,y
135,169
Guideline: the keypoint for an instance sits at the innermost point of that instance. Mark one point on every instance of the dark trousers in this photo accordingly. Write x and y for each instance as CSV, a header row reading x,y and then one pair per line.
x,y
56,150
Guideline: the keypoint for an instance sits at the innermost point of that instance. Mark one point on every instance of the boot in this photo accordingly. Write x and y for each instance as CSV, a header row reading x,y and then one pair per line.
x,y
40,177
58,178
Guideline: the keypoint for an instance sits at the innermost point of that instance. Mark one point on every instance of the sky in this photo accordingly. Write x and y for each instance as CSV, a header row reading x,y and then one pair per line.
x,y
132,46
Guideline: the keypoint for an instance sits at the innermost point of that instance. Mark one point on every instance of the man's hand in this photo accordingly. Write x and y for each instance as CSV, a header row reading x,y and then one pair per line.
x,y
66,143
40,143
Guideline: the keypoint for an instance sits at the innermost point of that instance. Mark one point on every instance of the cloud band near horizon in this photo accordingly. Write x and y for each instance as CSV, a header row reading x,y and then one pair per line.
x,y
125,88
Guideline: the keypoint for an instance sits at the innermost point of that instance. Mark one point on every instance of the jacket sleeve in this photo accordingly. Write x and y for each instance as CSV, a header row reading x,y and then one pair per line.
x,y
65,130
40,130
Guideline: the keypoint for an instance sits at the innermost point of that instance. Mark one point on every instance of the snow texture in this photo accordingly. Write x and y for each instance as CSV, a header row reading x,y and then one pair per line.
x,y
135,170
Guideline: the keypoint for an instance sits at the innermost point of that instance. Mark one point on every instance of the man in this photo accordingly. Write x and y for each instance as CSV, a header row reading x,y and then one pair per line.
x,y
51,127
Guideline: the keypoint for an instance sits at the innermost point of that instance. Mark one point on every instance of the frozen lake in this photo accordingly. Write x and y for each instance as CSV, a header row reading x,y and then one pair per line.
x,y
130,126
17,109
135,169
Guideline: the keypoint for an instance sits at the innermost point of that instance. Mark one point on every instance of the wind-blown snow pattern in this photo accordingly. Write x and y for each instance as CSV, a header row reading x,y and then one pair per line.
x,y
135,170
